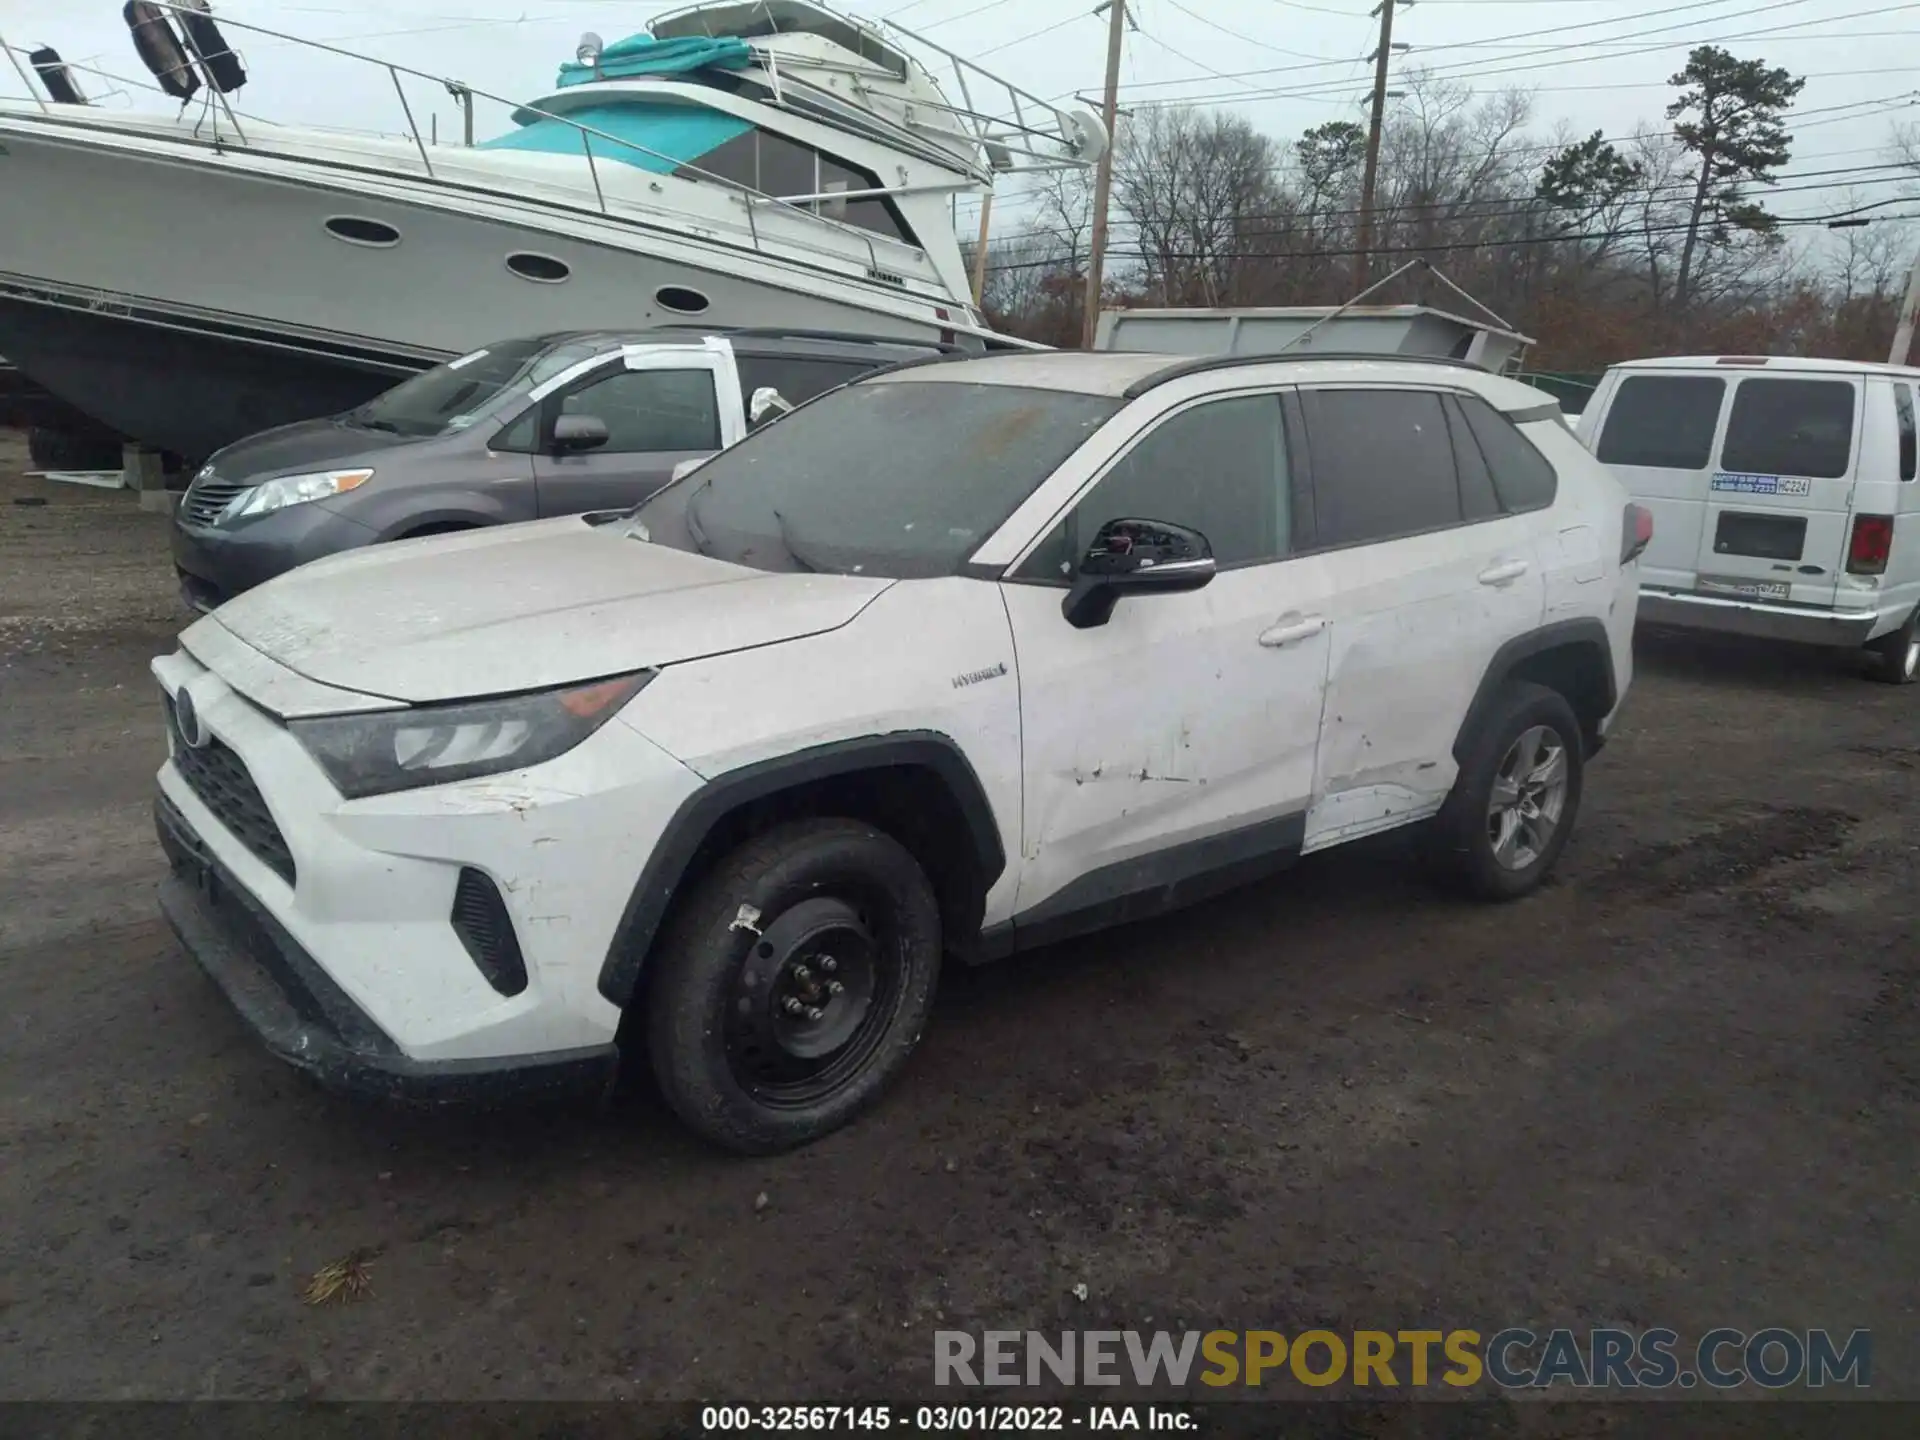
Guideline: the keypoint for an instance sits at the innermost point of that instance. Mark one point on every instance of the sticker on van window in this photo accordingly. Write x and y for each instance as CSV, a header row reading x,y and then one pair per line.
x,y
1762,484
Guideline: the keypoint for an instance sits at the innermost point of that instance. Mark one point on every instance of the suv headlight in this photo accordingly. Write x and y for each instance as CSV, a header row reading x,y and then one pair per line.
x,y
270,495
437,744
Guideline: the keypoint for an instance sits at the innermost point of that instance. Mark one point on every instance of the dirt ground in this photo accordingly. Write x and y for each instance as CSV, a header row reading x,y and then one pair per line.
x,y
1679,1087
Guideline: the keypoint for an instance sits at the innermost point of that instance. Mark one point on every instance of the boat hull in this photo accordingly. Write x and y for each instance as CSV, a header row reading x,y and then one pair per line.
x,y
232,307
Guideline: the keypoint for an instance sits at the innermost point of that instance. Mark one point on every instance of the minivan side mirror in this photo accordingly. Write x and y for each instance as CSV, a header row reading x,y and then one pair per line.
x,y
1135,557
579,432
766,401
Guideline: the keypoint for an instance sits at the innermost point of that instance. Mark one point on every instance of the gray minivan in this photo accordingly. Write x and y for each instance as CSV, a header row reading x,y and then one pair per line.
x,y
520,430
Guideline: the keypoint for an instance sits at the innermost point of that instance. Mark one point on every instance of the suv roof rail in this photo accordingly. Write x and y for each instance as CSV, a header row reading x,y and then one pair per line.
x,y
1200,364
782,332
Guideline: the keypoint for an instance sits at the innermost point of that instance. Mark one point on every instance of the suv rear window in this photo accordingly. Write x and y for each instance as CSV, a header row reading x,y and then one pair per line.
x,y
1665,421
1790,427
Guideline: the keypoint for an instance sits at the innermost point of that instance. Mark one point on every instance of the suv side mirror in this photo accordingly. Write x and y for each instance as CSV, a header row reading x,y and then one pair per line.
x,y
579,432
1135,557
766,401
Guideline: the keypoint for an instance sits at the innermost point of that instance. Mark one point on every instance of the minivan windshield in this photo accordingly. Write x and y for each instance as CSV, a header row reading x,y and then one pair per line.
x,y
453,396
902,479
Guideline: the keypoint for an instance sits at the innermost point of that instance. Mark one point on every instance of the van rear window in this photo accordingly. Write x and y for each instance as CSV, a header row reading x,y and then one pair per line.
x,y
1663,420
1790,427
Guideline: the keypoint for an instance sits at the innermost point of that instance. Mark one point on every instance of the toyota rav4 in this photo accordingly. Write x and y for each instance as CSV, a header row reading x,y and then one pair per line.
x,y
959,659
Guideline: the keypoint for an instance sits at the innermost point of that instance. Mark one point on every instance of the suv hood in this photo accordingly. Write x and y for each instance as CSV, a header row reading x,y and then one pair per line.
x,y
524,607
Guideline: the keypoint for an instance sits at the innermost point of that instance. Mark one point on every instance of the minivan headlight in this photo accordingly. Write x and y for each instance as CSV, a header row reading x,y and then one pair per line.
x,y
438,744
270,495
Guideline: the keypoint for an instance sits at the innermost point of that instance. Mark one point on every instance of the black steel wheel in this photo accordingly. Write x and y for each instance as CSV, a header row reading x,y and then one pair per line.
x,y
792,986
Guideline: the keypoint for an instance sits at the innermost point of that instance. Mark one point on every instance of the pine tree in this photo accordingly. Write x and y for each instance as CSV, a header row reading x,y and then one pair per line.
x,y
1729,114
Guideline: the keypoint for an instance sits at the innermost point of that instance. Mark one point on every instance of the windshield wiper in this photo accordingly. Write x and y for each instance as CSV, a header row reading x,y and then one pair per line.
x,y
794,555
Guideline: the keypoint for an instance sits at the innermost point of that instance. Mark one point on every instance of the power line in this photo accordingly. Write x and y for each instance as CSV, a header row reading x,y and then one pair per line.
x,y
1249,40
1465,71
1506,207
1033,35
1630,232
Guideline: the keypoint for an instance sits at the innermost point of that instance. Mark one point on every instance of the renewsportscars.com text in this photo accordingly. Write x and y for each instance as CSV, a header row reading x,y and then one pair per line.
x,y
1512,1358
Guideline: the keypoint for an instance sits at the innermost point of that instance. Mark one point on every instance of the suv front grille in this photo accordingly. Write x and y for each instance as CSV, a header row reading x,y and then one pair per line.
x,y
205,499
219,777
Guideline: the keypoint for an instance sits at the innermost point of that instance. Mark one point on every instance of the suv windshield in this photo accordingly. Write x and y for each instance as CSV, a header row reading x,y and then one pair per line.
x,y
902,479
453,396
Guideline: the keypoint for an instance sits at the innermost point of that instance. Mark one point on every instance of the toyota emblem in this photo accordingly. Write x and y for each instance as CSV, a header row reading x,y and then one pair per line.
x,y
187,720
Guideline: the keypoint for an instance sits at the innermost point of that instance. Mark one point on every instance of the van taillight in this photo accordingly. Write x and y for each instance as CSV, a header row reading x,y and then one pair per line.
x,y
1871,544
1636,533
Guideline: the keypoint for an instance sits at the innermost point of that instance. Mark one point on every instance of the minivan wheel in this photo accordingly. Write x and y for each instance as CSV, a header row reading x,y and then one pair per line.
x,y
1896,657
1513,803
789,991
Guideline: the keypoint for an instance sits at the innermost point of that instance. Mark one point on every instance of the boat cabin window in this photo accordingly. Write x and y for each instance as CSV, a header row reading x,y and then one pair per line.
x,y
775,165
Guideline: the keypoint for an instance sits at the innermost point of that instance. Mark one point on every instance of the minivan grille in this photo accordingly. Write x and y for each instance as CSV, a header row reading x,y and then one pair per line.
x,y
219,777
205,499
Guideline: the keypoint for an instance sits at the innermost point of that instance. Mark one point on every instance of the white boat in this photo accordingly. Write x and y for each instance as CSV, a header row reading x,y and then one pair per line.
x,y
188,279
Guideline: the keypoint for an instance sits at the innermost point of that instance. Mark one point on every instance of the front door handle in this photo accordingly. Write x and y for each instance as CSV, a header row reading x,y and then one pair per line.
x,y
1288,631
1505,573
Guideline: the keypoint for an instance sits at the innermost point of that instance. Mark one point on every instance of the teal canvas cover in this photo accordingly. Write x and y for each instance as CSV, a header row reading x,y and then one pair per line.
x,y
643,55
672,134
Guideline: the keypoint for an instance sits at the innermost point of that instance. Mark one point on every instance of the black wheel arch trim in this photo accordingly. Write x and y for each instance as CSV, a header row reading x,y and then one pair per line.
x,y
660,879
1585,631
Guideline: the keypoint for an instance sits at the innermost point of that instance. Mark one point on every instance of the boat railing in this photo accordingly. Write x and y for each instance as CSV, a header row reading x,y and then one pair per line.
x,y
1005,122
218,108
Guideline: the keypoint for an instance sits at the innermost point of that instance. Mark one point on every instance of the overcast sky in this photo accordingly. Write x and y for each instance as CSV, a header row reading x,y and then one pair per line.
x,y
1600,63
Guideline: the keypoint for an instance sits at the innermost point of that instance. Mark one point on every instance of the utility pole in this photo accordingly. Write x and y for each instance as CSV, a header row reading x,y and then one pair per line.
x,y
1103,175
1380,58
980,252
1909,310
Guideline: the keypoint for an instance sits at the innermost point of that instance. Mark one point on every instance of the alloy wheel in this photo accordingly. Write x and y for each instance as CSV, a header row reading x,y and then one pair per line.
x,y
1529,797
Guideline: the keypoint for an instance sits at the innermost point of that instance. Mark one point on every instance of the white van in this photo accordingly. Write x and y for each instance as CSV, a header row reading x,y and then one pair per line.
x,y
1783,497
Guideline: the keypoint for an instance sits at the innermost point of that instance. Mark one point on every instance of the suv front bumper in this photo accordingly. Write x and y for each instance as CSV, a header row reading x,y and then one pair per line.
x,y
305,1019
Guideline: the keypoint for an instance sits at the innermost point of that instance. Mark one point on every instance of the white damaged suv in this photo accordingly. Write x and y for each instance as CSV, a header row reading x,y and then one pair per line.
x,y
958,659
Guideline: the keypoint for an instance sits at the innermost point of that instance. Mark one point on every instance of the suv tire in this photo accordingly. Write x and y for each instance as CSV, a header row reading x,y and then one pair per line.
x,y
1513,804
789,990
1896,656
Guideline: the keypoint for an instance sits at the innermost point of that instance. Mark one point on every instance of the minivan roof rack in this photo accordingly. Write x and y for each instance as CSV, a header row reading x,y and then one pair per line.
x,y
781,332
1203,363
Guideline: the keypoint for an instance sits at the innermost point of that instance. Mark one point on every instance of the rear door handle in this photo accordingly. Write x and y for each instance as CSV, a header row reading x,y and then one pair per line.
x,y
1504,573
1288,631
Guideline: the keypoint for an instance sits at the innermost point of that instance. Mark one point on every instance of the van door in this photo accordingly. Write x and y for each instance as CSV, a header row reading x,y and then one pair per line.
x,y
1657,434
1774,528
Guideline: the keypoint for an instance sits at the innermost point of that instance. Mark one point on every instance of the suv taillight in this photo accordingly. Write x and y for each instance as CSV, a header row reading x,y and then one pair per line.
x,y
1872,542
1636,533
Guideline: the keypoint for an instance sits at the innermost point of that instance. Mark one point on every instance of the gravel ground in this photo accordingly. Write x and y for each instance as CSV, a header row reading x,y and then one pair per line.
x,y
1678,1087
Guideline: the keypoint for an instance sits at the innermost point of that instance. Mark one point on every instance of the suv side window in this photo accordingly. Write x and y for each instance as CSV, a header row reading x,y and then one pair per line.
x,y
1479,500
1219,467
1903,410
1383,465
797,378
647,410
1524,477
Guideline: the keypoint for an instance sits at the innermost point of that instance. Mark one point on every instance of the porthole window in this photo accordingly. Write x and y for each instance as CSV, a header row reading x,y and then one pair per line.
x,y
544,268
680,298
358,230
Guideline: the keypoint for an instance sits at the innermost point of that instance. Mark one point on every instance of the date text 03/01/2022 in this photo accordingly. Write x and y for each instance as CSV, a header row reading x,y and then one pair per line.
x,y
936,1419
